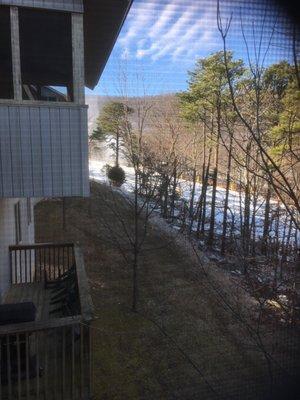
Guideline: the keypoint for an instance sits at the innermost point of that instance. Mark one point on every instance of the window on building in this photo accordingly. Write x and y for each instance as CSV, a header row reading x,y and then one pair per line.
x,y
6,76
18,228
46,55
29,216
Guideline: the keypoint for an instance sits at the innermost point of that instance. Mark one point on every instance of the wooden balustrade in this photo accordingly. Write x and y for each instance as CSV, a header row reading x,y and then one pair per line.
x,y
46,362
30,263
47,358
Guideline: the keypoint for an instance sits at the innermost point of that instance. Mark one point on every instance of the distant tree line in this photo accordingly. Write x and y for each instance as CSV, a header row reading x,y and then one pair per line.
x,y
234,127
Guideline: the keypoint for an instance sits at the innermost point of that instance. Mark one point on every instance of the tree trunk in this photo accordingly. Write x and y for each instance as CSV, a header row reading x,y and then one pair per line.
x,y
211,234
253,221
228,177
135,247
200,202
240,205
201,197
266,220
117,148
276,247
174,187
165,195
246,225
247,203
191,208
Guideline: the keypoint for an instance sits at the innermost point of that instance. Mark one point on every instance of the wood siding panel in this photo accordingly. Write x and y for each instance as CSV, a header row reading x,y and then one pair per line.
x,y
26,152
65,144
76,159
15,142
84,153
46,151
36,153
5,154
56,152
61,5
43,151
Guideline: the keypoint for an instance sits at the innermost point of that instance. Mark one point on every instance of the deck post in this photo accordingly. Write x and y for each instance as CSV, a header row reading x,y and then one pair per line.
x,y
16,57
78,58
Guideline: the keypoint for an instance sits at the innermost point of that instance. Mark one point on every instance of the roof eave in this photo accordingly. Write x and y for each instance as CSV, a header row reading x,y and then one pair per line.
x,y
99,42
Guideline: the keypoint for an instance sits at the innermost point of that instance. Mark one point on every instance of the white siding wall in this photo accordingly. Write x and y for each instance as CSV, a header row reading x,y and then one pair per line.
x,y
61,5
43,151
7,235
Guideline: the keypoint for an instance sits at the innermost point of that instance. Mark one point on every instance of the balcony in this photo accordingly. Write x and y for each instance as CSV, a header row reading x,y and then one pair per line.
x,y
43,149
50,357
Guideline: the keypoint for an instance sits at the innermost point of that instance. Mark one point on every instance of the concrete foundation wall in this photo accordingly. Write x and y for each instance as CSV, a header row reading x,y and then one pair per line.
x,y
8,234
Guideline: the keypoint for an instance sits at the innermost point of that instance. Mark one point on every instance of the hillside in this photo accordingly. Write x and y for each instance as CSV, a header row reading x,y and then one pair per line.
x,y
96,103
185,341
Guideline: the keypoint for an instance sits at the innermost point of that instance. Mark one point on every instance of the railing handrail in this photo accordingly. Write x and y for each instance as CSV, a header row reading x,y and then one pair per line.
x,y
41,103
39,245
86,304
34,326
85,300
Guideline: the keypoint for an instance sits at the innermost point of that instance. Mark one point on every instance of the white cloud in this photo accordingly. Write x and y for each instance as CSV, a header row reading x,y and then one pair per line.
x,y
163,20
174,29
140,18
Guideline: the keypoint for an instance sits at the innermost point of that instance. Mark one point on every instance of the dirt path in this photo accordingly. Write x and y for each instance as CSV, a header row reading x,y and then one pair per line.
x,y
183,343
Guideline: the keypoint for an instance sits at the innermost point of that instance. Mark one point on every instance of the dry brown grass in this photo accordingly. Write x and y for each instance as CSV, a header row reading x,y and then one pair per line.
x,y
133,358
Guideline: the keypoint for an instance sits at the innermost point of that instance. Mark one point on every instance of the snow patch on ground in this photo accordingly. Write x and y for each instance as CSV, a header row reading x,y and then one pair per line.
x,y
235,203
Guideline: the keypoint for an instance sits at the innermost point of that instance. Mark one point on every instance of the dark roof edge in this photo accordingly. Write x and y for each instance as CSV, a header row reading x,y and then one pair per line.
x,y
103,65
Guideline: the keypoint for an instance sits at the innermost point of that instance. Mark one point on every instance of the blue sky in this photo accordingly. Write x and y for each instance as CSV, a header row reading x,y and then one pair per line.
x,y
161,40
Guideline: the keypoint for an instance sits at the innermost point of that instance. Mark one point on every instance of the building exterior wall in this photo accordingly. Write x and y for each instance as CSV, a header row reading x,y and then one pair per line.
x,y
8,234
43,150
43,145
60,5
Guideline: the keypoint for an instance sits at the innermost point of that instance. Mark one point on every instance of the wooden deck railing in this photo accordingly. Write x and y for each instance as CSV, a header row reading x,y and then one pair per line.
x,y
29,263
47,359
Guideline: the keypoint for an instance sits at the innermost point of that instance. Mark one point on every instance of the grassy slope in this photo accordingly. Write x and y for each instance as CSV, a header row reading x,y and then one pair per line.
x,y
133,358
